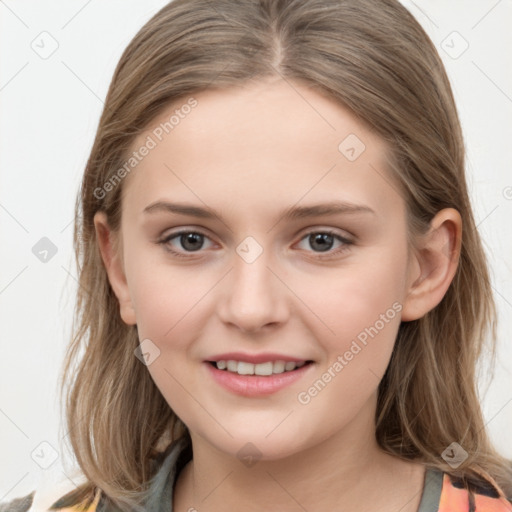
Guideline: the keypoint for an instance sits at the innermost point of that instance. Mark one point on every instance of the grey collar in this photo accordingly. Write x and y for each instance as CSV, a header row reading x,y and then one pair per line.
x,y
170,463
431,491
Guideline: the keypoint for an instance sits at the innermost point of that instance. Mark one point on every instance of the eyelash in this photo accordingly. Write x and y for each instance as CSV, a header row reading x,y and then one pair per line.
x,y
331,253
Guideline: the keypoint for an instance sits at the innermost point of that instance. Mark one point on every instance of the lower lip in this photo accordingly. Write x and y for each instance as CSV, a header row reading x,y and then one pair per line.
x,y
256,385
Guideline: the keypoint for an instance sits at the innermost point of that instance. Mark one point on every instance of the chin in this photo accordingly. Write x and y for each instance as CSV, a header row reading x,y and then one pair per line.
x,y
256,444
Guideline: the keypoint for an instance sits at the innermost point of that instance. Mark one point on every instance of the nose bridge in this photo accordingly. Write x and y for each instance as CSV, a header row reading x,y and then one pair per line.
x,y
251,271
253,298
252,277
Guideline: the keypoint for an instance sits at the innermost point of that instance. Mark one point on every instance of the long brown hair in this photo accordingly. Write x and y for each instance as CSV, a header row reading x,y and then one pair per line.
x,y
374,58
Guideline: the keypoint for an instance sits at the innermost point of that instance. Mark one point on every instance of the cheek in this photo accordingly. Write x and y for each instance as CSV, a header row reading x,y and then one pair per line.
x,y
352,298
168,300
161,311
362,307
359,307
169,303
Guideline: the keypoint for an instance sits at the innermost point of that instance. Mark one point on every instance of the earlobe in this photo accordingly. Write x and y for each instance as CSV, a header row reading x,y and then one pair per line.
x,y
111,256
435,263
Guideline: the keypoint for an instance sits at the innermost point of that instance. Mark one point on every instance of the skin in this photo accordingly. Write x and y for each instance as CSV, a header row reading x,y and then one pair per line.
x,y
249,153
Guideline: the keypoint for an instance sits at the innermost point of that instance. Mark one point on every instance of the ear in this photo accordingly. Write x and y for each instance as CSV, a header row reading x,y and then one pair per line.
x,y
109,245
434,264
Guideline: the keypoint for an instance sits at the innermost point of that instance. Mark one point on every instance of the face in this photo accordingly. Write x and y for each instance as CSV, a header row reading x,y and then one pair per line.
x,y
304,260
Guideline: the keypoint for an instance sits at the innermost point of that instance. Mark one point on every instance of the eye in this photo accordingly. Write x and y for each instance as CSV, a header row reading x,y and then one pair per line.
x,y
323,241
190,241
193,241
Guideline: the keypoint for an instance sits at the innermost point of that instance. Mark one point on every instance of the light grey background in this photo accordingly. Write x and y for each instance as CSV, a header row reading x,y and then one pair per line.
x,y
50,106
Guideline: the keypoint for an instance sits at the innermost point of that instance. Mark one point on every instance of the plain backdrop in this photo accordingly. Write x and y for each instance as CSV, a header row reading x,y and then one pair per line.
x,y
56,62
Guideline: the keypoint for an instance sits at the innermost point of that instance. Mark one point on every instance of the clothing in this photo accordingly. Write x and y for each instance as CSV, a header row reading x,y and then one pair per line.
x,y
441,492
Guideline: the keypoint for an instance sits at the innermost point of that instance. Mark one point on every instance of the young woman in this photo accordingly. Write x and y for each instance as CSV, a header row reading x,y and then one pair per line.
x,y
283,294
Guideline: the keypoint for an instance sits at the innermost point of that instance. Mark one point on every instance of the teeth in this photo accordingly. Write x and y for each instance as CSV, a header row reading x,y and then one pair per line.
x,y
245,368
233,366
267,368
278,367
263,368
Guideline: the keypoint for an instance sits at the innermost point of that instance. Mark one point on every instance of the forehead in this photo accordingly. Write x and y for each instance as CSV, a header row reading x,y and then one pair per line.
x,y
269,142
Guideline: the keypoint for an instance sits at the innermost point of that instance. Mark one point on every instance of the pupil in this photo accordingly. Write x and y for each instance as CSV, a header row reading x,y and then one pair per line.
x,y
320,238
191,238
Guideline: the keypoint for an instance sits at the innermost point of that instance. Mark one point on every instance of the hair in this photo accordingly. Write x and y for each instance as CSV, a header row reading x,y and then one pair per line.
x,y
370,56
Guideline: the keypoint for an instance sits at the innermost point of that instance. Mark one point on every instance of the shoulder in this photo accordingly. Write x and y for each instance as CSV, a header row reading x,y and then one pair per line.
x,y
45,499
470,496
51,495
21,504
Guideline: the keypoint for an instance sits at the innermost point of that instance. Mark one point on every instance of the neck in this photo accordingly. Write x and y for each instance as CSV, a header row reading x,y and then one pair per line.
x,y
346,468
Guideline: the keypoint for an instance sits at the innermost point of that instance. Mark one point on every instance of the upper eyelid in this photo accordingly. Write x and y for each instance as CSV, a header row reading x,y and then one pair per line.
x,y
174,234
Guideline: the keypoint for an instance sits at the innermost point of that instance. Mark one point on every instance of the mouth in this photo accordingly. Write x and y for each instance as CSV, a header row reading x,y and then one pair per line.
x,y
259,379
264,369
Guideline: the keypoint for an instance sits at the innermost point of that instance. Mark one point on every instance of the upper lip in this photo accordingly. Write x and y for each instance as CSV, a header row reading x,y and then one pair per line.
x,y
255,358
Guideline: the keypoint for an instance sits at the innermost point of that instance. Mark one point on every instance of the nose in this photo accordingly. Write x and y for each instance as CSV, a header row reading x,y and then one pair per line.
x,y
254,296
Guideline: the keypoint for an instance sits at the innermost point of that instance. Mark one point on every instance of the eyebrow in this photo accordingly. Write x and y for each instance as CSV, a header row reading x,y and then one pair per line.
x,y
292,213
